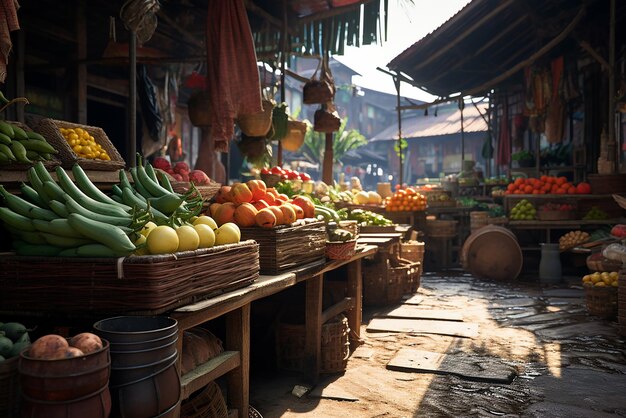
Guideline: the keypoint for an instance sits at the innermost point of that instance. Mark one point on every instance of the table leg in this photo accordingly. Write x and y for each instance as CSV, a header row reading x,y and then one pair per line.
x,y
313,327
238,339
355,291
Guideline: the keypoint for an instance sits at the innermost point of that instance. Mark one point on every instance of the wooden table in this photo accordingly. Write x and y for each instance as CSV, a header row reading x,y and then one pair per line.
x,y
235,306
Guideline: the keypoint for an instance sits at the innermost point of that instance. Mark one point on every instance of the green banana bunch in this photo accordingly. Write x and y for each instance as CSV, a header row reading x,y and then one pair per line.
x,y
69,218
19,145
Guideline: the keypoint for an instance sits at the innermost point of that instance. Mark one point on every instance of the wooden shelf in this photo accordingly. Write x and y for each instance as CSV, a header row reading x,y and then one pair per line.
x,y
209,371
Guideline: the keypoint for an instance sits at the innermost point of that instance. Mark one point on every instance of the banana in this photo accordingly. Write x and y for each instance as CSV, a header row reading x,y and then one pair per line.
x,y
6,150
42,172
124,182
84,183
85,201
7,129
35,135
32,196
115,189
150,172
167,203
64,242
25,208
16,220
20,152
23,248
91,250
38,146
60,227
54,191
164,181
18,133
37,184
153,187
5,139
73,207
4,159
111,236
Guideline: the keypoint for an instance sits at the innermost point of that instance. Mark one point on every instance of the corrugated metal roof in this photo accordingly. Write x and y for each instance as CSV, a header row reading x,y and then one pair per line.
x,y
447,122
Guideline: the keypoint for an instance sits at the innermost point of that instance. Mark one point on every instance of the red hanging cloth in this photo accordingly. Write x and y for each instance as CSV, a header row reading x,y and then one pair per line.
x,y
232,73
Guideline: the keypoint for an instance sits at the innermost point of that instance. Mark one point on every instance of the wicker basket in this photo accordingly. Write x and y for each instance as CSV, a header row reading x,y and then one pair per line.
x,y
601,301
270,180
208,403
257,124
596,262
317,92
199,108
325,121
15,165
383,282
294,139
412,251
340,250
207,191
350,226
49,128
9,388
437,228
498,220
335,348
397,284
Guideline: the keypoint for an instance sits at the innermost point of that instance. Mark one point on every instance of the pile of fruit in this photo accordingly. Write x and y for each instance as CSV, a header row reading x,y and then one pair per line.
x,y
619,231
523,211
181,171
253,203
55,347
13,339
546,185
595,214
364,217
18,145
405,200
572,239
604,279
84,144
366,198
286,173
561,207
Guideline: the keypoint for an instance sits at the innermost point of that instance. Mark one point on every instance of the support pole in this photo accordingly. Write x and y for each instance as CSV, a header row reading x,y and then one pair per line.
x,y
611,119
327,171
396,82
132,99
283,53
461,107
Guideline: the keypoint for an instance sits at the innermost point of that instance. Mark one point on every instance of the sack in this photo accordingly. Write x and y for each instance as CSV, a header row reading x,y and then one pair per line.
x,y
319,91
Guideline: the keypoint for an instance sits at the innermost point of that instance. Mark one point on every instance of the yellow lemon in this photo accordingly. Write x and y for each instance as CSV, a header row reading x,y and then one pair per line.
x,y
615,283
206,234
614,275
140,243
162,240
595,278
229,233
188,238
149,226
601,284
206,220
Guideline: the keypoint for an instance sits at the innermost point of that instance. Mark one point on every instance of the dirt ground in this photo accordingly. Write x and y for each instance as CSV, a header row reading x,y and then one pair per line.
x,y
566,363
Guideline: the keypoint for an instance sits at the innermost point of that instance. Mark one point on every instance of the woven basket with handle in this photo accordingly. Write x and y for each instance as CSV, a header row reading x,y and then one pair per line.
x,y
257,124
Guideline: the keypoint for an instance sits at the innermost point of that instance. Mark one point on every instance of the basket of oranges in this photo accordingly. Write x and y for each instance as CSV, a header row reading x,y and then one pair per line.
x,y
601,293
405,200
88,146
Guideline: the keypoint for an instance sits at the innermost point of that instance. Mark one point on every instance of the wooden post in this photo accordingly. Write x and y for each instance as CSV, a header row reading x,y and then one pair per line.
x,y
396,82
132,101
461,107
238,339
355,290
611,120
81,70
313,327
327,171
283,53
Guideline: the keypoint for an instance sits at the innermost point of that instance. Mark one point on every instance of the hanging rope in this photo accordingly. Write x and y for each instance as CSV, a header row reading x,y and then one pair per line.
x,y
139,16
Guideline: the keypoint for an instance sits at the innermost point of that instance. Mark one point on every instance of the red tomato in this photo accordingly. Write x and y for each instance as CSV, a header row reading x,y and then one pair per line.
x,y
265,170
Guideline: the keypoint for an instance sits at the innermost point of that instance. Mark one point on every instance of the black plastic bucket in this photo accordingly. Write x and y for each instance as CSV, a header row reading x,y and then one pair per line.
x,y
135,329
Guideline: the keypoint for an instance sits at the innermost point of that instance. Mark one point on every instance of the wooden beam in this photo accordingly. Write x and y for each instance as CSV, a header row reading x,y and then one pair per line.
x,y
346,304
464,34
587,47
119,87
189,37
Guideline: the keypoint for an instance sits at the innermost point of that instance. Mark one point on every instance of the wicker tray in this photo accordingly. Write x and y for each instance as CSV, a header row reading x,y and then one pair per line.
x,y
289,246
207,191
140,284
601,301
49,128
17,166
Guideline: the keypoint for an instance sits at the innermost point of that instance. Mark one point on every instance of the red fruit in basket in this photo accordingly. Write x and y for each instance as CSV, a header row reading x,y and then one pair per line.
x,y
305,177
86,342
177,177
180,166
162,164
619,231
293,175
583,188
184,175
282,197
223,194
46,347
245,215
277,170
198,177
240,193
265,170
258,189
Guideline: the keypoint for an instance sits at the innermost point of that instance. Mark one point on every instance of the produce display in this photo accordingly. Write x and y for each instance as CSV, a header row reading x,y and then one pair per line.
x,y
55,347
19,145
595,214
14,338
181,171
254,204
546,185
286,174
523,211
84,144
364,217
601,279
619,231
572,239
560,207
405,200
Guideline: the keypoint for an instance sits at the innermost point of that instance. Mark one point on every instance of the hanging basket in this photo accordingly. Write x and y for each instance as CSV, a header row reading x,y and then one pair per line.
x,y
325,121
317,92
296,130
257,124
199,108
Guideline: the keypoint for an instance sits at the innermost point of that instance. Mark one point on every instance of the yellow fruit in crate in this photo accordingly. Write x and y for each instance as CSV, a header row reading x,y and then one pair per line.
x,y
228,233
595,278
586,278
149,226
188,238
614,275
162,240
206,220
600,284
615,283
206,234
140,242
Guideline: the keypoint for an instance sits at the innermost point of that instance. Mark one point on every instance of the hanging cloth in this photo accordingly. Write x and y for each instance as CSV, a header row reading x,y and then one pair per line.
x,y
232,73
8,23
555,115
504,140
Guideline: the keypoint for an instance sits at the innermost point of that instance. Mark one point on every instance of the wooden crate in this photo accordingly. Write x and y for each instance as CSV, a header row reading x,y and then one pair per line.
x,y
285,247
149,284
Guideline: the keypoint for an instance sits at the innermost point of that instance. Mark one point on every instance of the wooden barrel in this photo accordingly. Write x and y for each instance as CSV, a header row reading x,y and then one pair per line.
x,y
492,252
478,220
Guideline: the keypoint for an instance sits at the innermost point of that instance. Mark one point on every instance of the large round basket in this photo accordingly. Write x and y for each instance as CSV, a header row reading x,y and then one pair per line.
x,y
601,301
340,250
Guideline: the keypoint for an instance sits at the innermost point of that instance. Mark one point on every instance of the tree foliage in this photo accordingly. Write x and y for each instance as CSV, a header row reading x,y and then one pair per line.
x,y
344,140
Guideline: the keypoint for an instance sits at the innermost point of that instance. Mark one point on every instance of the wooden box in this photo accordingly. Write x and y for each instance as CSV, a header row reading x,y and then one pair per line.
x,y
287,247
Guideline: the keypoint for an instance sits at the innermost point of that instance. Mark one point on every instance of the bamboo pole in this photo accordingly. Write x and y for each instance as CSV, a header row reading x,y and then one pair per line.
x,y
132,101
396,82
611,119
